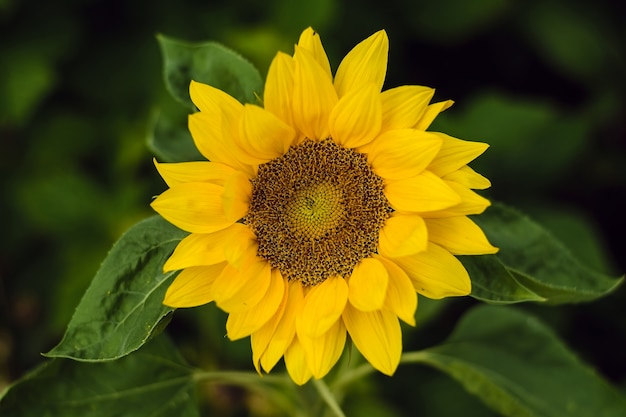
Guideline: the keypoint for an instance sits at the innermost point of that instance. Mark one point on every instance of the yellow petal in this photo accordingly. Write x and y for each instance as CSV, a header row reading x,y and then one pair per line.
x,y
402,235
436,273
310,40
200,171
260,339
356,118
210,248
432,111
424,192
459,235
279,88
243,323
468,177
297,366
237,245
207,134
192,287
262,136
368,285
322,307
237,290
377,335
237,195
214,128
401,298
454,154
404,106
196,207
285,329
403,153
214,138
366,63
323,352
471,203
209,99
313,96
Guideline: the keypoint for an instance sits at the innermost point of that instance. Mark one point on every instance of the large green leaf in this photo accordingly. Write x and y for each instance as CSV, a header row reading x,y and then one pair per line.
x,y
518,367
531,264
492,282
152,382
170,140
210,63
122,308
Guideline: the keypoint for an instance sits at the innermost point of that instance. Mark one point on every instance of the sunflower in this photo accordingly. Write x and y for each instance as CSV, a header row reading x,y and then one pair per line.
x,y
323,212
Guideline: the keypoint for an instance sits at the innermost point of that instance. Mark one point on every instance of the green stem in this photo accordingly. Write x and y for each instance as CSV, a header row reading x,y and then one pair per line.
x,y
328,397
239,378
417,356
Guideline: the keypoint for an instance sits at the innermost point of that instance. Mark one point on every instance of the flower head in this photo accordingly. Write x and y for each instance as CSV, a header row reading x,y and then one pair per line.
x,y
323,213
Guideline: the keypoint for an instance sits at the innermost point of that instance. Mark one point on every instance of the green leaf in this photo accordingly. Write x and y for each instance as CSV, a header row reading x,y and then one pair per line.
x,y
171,141
518,367
123,305
210,63
153,382
580,231
531,262
492,282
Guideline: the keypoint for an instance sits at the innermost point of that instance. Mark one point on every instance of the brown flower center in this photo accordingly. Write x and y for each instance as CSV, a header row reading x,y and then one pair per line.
x,y
317,211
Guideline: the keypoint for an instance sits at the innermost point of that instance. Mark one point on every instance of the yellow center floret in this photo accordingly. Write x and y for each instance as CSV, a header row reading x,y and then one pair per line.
x,y
317,211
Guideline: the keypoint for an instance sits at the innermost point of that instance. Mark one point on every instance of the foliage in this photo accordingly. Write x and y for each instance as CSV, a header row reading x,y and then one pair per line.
x,y
152,382
540,81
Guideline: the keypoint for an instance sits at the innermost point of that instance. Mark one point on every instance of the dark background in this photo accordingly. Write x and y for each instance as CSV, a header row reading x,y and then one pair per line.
x,y
541,81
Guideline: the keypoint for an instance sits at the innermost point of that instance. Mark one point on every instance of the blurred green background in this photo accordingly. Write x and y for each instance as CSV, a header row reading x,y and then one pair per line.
x,y
541,81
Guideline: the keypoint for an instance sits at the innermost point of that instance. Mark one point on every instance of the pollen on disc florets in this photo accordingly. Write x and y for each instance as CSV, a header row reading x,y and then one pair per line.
x,y
317,211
